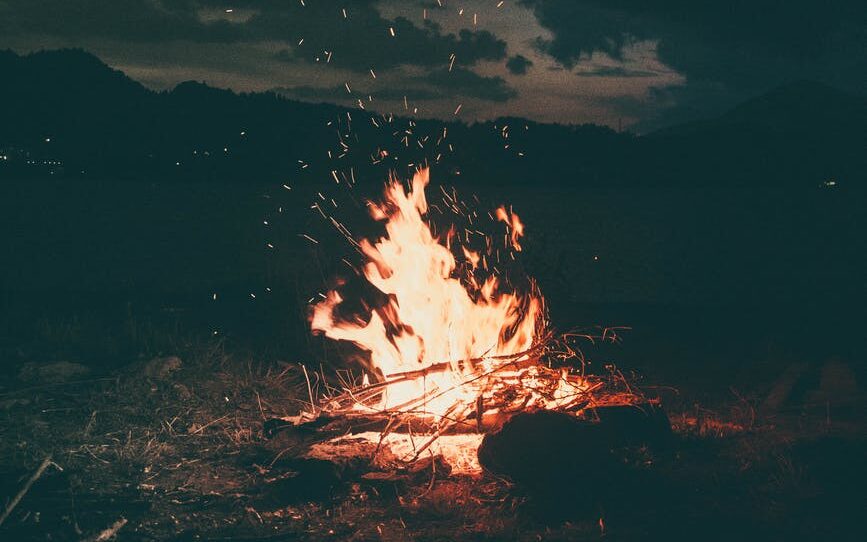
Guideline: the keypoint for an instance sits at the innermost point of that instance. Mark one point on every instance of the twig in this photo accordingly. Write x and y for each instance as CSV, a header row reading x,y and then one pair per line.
x,y
210,423
309,389
15,500
261,410
446,365
458,419
108,533
89,425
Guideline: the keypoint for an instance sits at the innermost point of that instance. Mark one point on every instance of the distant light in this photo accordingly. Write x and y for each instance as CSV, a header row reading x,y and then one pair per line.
x,y
229,10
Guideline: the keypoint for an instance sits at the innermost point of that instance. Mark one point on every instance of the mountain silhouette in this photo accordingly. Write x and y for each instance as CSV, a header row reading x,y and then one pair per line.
x,y
799,131
800,106
67,107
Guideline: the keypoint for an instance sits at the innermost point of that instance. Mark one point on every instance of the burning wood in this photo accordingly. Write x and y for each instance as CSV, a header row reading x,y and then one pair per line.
x,y
453,352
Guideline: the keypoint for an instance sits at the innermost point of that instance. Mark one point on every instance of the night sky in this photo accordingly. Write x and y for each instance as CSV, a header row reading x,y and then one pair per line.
x,y
639,63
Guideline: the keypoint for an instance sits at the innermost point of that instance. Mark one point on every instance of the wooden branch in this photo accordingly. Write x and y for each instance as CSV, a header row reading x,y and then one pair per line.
x,y
30,481
418,373
109,533
444,366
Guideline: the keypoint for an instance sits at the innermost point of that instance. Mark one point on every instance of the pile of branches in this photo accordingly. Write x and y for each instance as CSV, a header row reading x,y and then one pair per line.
x,y
550,375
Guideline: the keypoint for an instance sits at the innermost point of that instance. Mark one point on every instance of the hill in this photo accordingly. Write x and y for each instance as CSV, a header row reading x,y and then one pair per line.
x,y
67,113
802,131
67,106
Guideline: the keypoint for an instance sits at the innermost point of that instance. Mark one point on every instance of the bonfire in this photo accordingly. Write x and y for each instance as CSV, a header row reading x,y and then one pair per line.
x,y
452,352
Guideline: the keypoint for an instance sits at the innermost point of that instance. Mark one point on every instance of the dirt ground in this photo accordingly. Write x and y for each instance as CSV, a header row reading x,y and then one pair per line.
x,y
172,448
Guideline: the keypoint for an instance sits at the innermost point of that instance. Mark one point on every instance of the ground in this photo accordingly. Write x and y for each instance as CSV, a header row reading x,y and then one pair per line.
x,y
175,446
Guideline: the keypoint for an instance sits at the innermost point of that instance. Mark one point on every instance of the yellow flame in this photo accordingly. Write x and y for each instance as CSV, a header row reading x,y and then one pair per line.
x,y
431,318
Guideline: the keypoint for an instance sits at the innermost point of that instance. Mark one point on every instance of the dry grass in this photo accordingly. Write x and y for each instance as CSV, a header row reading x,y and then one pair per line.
x,y
178,451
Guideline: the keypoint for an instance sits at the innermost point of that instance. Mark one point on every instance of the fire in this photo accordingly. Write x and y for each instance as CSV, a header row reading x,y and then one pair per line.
x,y
435,331
515,225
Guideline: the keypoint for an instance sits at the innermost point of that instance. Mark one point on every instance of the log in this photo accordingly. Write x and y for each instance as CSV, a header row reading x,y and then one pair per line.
x,y
327,426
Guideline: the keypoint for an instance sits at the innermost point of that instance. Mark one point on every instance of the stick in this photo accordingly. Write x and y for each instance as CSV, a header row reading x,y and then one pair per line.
x,y
309,389
15,500
210,423
446,365
458,419
107,534
430,369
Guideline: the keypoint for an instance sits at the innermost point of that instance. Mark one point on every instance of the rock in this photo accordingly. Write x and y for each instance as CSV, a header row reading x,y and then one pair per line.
x,y
161,368
182,391
52,373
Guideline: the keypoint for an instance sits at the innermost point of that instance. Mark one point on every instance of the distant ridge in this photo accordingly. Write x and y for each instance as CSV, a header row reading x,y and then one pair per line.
x,y
801,132
67,107
800,105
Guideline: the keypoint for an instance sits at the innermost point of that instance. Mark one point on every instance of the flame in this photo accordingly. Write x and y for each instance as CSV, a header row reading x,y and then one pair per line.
x,y
515,225
433,326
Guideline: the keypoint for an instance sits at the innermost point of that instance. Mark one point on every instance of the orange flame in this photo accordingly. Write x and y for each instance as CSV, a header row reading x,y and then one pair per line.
x,y
431,319
515,225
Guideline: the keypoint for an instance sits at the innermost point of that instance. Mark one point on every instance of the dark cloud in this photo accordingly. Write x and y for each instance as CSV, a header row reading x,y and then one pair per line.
x,y
353,34
467,83
584,26
787,28
670,60
436,84
127,20
739,46
518,65
360,50
362,38
339,94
